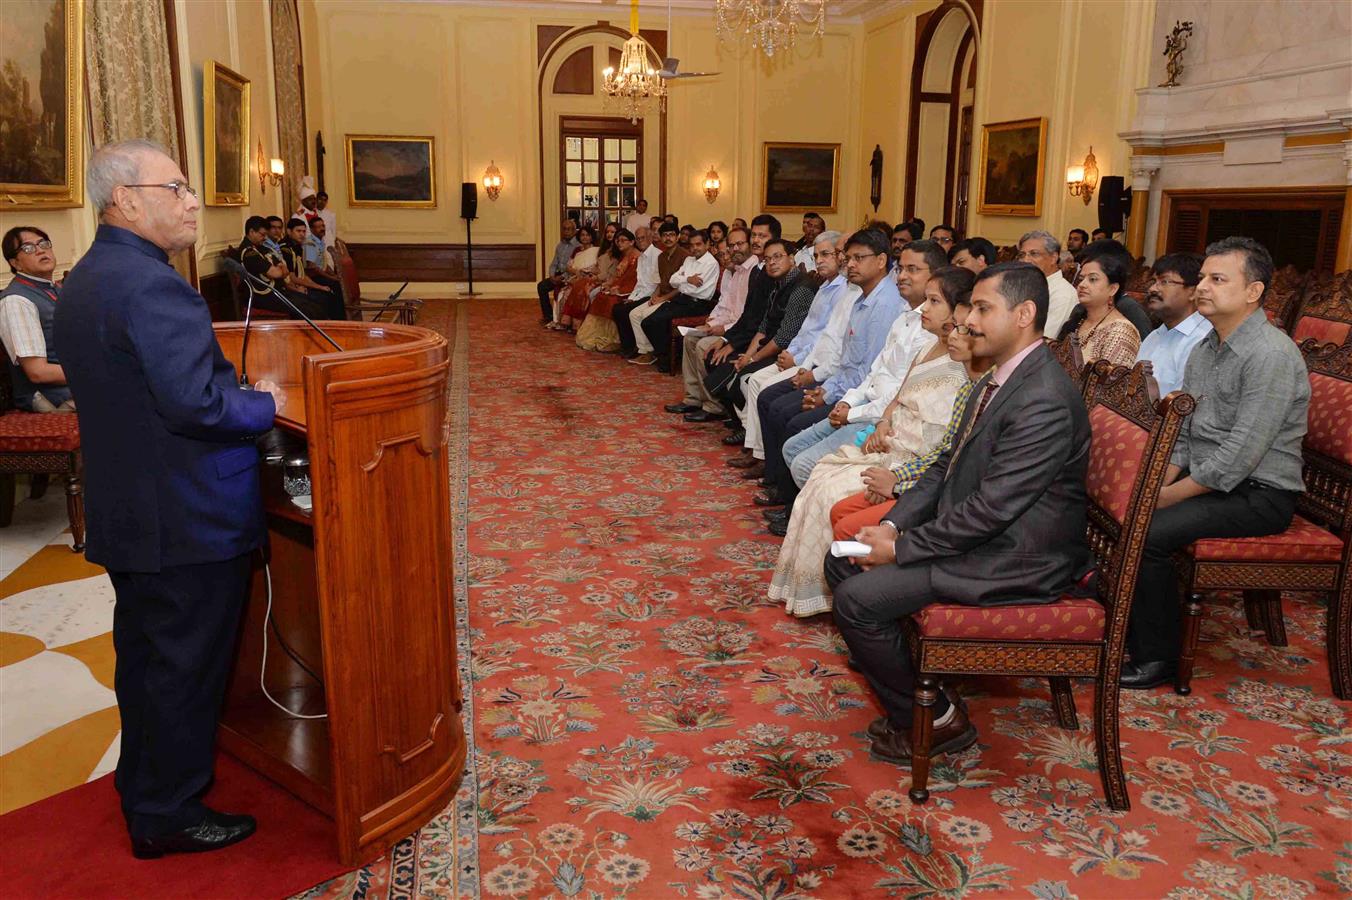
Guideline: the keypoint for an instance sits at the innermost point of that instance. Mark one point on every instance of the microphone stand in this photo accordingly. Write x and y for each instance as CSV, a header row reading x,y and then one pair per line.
x,y
244,350
272,289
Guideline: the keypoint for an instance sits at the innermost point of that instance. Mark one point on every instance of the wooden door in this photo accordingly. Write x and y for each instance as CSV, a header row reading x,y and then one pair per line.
x,y
601,168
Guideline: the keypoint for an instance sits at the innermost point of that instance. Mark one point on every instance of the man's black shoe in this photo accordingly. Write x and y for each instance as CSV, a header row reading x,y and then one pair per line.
x,y
703,415
768,497
680,408
732,423
735,439
216,831
776,515
779,527
1142,675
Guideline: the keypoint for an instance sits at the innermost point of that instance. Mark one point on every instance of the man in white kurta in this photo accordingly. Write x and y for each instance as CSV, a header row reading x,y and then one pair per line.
x,y
1042,249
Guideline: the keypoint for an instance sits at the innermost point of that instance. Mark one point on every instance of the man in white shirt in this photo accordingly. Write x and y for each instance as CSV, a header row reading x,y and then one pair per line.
x,y
647,279
814,355
330,219
1042,249
1171,297
864,405
806,257
27,313
638,218
692,290
734,285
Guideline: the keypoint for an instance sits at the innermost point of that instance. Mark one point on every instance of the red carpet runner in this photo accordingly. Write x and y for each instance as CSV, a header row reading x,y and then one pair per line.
x,y
75,845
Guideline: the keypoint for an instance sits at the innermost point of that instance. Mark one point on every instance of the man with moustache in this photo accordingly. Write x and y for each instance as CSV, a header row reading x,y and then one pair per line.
x,y
171,488
1172,298
998,518
27,313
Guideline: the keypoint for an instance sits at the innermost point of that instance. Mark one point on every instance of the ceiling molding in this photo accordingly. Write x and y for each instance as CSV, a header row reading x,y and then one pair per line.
x,y
838,12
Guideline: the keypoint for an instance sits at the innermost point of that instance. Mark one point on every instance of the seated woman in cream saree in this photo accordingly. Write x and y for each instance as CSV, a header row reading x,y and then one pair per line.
x,y
914,429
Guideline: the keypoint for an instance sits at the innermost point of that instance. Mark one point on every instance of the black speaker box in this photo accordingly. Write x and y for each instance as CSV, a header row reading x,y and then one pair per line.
x,y
1114,202
469,200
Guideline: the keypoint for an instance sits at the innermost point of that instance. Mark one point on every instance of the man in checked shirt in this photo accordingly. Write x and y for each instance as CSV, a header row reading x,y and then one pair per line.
x,y
1236,469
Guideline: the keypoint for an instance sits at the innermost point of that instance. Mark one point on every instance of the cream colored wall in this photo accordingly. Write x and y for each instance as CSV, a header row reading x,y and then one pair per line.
x,y
1077,62
888,52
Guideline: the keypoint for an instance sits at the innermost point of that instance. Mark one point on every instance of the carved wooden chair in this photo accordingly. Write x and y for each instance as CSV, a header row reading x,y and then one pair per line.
x,y
676,340
1325,310
1067,353
1007,254
1075,636
1312,555
40,445
1282,300
400,312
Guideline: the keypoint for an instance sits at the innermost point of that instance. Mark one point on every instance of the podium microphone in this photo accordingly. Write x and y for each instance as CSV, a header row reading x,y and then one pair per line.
x,y
272,289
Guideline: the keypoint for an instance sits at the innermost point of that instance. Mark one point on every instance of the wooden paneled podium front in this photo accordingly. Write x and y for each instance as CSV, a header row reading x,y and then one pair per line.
x,y
361,585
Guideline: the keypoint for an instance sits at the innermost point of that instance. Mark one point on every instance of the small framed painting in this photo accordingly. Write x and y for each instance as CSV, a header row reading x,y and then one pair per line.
x,y
391,171
225,135
800,177
42,114
1012,155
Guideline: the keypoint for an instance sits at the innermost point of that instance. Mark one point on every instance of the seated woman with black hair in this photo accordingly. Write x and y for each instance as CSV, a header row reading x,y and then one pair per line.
x,y
1098,325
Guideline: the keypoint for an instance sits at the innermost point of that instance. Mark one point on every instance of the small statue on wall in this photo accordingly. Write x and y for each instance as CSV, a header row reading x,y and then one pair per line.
x,y
875,183
1174,45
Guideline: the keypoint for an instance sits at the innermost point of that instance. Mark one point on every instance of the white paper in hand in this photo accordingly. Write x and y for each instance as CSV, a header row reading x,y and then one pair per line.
x,y
850,548
684,329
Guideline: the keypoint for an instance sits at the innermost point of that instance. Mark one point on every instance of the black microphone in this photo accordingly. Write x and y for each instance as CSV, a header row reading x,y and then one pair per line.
x,y
280,295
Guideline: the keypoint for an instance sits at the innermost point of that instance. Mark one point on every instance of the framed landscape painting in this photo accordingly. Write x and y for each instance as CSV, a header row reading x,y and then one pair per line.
x,y
391,171
1012,155
42,104
800,177
225,135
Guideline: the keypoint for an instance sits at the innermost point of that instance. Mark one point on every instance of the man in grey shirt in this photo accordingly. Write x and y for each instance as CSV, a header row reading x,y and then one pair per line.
x,y
563,252
1236,469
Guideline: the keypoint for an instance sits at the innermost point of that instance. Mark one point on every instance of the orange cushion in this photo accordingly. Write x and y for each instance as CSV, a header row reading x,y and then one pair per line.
x,y
1326,331
26,432
1115,456
1070,618
1304,541
1330,422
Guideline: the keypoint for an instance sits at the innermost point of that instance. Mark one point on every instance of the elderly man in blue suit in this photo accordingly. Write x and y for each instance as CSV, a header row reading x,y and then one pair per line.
x,y
171,489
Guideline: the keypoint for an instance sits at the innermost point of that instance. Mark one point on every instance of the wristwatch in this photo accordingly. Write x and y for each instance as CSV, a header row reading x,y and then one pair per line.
x,y
892,525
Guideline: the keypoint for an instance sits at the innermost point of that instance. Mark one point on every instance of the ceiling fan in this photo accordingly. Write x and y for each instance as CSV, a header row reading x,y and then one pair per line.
x,y
670,72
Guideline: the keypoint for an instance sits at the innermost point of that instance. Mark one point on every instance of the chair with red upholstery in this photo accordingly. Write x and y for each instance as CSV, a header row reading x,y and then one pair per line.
x,y
401,312
1070,357
676,325
1075,636
1312,555
1282,300
1325,312
39,444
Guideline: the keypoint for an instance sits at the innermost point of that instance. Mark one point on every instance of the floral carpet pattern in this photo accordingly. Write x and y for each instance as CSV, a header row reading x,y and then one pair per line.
x,y
645,723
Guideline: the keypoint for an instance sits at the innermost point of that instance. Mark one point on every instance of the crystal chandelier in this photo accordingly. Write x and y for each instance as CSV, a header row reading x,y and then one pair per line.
x,y
770,25
636,81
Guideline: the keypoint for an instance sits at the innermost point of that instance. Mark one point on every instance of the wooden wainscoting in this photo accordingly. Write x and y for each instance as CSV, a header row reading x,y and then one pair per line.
x,y
215,289
443,262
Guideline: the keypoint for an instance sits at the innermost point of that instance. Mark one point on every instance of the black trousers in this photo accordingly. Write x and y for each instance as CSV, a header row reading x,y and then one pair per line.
x,y
868,608
1155,630
782,420
545,289
312,308
174,634
657,326
620,313
736,395
331,300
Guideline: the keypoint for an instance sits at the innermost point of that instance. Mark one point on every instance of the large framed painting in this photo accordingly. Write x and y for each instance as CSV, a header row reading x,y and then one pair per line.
x,y
800,177
225,135
1012,155
42,104
391,171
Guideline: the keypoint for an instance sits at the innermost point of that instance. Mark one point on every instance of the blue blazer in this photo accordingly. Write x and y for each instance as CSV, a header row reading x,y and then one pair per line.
x,y
170,466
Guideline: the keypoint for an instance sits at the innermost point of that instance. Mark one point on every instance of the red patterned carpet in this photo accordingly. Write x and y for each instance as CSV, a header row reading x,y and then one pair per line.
x,y
646,724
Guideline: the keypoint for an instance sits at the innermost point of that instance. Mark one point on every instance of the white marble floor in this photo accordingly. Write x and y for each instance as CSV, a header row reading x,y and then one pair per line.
x,y
36,524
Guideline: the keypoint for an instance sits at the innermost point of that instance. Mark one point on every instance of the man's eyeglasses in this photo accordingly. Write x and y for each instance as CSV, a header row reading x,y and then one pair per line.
x,y
914,269
860,257
182,190
29,247
962,329
1167,282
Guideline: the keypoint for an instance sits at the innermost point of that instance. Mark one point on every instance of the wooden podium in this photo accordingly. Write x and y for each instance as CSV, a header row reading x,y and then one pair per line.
x,y
361,585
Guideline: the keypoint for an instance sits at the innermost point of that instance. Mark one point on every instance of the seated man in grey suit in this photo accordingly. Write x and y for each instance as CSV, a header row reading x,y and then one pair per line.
x,y
999,518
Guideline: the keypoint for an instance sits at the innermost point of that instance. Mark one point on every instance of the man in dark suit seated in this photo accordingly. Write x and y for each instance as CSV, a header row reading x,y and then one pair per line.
x,y
171,489
999,518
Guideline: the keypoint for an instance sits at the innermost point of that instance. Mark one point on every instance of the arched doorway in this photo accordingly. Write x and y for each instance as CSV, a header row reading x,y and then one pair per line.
x,y
939,139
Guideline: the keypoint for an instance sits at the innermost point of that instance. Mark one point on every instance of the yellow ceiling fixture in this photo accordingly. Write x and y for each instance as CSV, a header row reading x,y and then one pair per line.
x,y
770,25
638,79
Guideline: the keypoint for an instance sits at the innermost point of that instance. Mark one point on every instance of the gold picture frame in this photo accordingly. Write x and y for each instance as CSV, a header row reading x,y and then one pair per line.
x,y
1013,167
225,135
793,177
39,167
390,171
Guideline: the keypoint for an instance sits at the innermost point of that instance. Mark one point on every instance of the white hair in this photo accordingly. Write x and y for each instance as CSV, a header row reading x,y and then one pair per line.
x,y
825,237
114,165
1049,241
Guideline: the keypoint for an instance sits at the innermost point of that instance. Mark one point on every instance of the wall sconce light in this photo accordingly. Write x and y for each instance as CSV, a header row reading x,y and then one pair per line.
x,y
492,180
712,184
269,171
1081,180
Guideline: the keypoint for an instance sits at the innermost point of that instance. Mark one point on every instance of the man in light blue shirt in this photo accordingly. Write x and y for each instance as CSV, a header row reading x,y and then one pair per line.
x,y
1171,299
